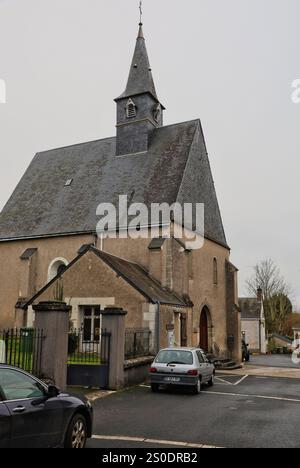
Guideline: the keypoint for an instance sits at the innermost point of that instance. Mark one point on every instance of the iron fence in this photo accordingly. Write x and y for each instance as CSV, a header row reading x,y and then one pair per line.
x,y
22,348
137,343
95,351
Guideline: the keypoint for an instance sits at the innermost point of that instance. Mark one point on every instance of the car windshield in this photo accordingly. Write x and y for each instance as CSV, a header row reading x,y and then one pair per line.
x,y
174,357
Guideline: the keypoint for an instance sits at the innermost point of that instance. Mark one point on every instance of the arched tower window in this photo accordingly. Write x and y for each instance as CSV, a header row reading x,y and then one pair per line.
x,y
56,267
130,109
215,271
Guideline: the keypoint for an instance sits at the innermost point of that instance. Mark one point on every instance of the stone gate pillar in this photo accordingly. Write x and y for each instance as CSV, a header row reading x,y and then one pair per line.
x,y
113,321
53,318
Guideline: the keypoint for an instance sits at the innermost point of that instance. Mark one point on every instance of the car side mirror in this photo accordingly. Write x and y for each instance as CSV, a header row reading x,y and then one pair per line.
x,y
53,391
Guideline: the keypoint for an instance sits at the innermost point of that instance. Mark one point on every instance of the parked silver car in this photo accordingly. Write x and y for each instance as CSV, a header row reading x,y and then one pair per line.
x,y
183,367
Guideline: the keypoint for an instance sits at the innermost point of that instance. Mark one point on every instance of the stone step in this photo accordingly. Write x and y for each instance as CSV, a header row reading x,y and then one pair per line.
x,y
224,363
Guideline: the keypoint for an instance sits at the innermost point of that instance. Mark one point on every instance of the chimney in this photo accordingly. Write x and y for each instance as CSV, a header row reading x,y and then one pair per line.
x,y
259,295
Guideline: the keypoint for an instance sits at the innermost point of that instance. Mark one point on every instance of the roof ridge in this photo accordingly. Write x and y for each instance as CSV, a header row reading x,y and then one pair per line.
x,y
110,138
186,164
180,123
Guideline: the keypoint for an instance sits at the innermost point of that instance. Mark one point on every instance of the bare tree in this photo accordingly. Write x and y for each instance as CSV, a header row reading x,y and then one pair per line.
x,y
267,276
276,292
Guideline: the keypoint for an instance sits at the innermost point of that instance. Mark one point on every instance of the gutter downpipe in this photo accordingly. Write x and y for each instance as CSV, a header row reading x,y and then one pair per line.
x,y
158,325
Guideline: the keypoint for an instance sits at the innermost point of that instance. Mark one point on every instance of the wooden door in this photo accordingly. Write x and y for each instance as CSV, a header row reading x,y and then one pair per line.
x,y
204,331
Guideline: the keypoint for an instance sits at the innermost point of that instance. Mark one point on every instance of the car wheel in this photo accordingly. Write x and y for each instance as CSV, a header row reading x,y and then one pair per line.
x,y
211,382
154,388
77,433
197,387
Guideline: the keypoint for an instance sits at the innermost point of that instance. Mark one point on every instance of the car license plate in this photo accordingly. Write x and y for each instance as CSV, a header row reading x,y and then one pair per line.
x,y
172,379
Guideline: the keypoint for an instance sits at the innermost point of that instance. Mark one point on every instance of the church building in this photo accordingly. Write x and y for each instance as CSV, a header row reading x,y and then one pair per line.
x,y
49,244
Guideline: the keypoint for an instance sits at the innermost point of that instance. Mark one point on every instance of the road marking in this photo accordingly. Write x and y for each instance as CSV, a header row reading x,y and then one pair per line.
x,y
264,397
218,379
153,441
223,381
241,380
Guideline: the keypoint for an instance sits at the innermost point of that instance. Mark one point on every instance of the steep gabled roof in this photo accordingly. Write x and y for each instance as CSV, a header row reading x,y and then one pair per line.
x,y
250,308
175,168
140,279
131,272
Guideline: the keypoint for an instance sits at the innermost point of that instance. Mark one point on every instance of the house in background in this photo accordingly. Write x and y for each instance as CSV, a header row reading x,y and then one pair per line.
x,y
253,323
281,341
163,284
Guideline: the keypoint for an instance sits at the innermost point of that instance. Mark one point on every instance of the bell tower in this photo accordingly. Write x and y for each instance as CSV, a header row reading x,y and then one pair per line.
x,y
139,111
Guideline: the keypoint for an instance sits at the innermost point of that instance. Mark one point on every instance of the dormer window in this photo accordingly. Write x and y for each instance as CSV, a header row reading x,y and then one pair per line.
x,y
130,109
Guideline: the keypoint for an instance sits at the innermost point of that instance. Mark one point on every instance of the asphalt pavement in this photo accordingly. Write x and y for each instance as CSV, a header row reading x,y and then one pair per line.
x,y
239,412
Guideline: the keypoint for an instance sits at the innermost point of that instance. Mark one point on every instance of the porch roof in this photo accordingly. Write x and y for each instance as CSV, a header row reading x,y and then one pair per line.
x,y
131,272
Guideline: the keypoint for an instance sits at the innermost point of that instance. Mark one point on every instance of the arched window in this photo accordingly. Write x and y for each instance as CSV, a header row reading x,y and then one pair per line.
x,y
215,271
56,267
130,109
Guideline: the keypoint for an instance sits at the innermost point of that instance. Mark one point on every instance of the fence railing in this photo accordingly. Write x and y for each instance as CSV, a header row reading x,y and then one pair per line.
x,y
22,348
94,351
137,343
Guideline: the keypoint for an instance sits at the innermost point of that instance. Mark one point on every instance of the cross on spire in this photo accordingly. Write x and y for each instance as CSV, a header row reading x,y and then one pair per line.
x,y
141,11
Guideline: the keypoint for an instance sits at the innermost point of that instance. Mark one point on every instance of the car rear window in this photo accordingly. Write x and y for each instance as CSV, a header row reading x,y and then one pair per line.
x,y
175,357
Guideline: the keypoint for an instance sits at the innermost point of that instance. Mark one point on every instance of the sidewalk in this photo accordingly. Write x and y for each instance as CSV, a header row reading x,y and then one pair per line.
x,y
89,394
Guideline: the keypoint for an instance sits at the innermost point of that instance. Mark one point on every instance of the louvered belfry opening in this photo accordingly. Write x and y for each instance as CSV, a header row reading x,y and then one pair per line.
x,y
130,109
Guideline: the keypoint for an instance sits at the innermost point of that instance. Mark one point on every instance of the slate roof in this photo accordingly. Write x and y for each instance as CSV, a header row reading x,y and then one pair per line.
x,y
176,167
131,272
140,78
139,278
250,308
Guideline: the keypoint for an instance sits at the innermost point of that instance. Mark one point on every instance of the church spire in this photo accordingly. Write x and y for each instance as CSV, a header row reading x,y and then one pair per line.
x,y
139,111
140,78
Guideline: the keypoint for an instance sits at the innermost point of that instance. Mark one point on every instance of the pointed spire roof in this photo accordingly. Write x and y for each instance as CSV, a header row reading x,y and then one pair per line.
x,y
140,78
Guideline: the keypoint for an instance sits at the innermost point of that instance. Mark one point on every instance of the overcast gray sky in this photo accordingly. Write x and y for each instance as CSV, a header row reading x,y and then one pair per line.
x,y
228,62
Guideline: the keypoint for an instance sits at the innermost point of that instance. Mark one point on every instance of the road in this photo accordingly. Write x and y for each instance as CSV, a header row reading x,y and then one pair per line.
x,y
238,412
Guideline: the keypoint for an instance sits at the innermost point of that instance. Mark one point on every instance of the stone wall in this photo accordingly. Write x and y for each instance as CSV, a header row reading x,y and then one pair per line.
x,y
19,278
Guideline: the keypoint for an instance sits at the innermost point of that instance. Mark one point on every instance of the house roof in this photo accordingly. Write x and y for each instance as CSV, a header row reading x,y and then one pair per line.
x,y
131,272
250,308
285,339
175,168
140,279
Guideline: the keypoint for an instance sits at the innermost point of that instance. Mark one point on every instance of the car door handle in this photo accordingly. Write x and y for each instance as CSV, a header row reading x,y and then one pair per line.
x,y
19,409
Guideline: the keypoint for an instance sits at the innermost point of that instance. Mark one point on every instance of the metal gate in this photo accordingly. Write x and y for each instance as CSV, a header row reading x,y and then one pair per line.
x,y
88,361
22,348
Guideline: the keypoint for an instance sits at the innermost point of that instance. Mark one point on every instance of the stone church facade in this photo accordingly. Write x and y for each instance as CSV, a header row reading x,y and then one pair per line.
x,y
48,232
